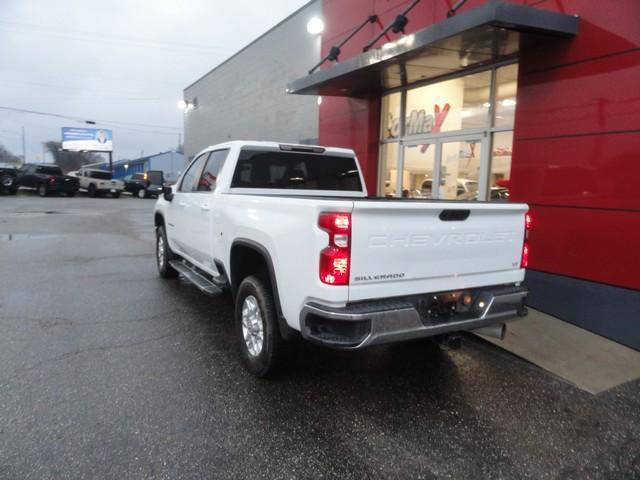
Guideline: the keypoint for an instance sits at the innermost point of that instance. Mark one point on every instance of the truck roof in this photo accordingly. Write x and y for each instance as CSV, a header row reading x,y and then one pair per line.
x,y
257,143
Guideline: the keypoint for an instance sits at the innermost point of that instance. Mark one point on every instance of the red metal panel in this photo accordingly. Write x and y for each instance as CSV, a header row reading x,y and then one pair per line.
x,y
605,28
599,171
596,96
597,245
353,123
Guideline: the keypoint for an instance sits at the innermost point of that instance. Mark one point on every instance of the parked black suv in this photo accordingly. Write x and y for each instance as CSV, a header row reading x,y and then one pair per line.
x,y
145,185
47,179
8,180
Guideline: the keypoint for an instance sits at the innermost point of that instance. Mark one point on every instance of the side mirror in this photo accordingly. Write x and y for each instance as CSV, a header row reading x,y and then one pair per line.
x,y
167,193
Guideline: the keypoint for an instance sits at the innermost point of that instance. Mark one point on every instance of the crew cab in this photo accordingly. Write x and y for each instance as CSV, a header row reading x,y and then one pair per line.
x,y
290,233
97,182
47,179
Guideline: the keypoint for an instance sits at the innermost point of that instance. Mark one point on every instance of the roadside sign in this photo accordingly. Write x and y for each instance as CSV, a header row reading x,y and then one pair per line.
x,y
89,139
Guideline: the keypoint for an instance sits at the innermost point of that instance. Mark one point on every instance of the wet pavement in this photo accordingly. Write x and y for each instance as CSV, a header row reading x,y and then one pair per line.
x,y
108,371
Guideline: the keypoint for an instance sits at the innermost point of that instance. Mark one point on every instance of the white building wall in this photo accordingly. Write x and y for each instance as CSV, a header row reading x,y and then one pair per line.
x,y
244,98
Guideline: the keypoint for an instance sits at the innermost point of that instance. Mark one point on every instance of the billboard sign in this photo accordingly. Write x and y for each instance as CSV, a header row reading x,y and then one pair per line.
x,y
87,139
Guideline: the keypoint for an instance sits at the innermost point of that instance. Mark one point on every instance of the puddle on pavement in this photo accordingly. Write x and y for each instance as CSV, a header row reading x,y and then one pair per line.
x,y
27,236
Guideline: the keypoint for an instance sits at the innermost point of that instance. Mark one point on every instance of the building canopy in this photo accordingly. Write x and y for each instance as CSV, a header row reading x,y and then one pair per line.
x,y
482,36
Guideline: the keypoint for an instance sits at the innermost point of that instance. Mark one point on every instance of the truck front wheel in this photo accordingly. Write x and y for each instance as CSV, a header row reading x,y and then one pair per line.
x,y
261,346
164,254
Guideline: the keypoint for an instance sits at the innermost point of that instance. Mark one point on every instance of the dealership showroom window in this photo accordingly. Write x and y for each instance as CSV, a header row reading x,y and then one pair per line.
x,y
456,134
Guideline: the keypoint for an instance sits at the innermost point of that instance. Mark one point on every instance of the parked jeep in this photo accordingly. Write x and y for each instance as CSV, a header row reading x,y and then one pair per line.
x,y
97,182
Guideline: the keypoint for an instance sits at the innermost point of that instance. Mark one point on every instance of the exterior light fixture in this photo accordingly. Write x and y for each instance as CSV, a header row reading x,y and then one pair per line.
x,y
187,105
319,100
334,52
315,26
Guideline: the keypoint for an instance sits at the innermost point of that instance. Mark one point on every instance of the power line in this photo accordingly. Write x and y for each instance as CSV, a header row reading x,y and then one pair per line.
x,y
91,122
81,35
33,112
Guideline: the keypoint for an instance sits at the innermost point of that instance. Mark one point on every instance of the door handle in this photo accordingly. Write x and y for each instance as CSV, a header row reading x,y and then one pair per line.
x,y
204,207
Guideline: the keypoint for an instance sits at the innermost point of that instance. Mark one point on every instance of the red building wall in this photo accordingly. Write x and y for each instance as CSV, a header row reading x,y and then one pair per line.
x,y
576,156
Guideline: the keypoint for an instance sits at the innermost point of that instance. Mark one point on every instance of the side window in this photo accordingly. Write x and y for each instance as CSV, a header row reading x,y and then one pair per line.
x,y
209,177
189,182
38,169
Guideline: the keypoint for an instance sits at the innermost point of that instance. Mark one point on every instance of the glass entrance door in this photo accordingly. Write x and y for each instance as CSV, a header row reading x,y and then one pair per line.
x,y
460,165
418,162
448,168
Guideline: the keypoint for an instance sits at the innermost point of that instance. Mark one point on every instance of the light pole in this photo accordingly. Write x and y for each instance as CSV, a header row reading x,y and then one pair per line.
x,y
24,147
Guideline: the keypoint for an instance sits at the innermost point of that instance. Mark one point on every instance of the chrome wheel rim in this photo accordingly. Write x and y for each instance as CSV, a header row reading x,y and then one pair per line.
x,y
160,250
252,327
141,193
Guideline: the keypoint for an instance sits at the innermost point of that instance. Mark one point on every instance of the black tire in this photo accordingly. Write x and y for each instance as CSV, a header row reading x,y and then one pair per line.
x,y
71,194
42,190
91,191
116,195
13,190
273,351
164,269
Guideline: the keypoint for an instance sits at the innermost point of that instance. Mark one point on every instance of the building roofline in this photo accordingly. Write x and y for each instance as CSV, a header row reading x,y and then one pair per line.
x,y
289,17
142,159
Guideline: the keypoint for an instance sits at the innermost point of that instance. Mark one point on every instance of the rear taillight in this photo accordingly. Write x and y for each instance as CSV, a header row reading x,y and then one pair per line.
x,y
524,262
335,258
52,180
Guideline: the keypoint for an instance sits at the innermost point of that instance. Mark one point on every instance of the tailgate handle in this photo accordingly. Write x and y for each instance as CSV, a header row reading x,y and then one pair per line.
x,y
454,215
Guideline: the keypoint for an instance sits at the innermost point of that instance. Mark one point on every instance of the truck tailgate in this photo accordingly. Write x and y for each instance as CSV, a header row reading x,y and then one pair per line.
x,y
406,247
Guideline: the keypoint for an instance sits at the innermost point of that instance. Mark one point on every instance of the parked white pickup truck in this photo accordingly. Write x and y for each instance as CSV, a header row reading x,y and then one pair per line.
x,y
289,231
96,182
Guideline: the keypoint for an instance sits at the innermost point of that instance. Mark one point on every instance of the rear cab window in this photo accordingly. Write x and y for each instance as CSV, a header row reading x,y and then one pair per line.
x,y
276,169
100,175
49,170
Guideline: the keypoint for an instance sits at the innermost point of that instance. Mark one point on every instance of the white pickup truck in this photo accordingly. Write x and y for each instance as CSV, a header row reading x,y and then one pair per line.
x,y
290,233
96,182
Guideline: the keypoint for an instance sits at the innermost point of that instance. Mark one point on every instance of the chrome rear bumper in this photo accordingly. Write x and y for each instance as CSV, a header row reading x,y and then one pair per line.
x,y
394,320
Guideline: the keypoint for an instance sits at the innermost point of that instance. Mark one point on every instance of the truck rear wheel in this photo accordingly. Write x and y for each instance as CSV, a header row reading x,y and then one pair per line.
x,y
164,254
42,190
262,348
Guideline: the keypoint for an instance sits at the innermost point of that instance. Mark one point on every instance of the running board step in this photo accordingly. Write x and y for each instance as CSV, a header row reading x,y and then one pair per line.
x,y
195,277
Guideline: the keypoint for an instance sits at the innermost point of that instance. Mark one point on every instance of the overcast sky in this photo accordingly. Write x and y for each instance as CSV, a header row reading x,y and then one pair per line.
x,y
122,63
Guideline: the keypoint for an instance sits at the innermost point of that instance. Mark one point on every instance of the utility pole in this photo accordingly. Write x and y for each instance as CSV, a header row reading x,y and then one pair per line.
x,y
24,147
44,160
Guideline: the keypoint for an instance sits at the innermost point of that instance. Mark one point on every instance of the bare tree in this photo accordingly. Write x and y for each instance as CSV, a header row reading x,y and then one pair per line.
x,y
69,161
7,157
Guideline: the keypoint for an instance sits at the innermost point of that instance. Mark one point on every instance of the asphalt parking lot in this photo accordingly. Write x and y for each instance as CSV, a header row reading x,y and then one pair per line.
x,y
108,371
